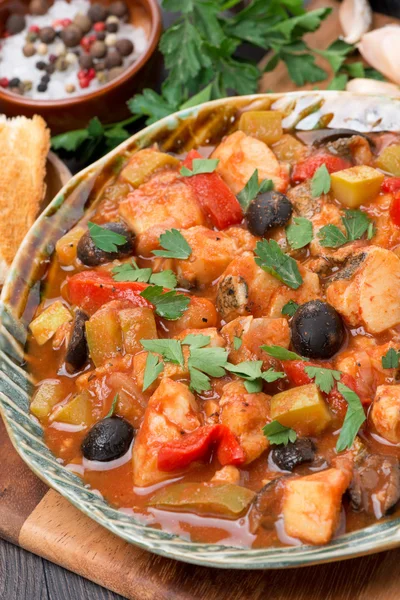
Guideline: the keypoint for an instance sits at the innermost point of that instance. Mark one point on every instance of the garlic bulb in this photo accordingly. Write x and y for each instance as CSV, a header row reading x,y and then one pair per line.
x,y
372,86
355,18
381,49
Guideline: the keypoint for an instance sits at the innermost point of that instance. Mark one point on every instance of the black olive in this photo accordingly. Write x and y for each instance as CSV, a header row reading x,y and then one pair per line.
x,y
317,330
109,439
293,454
267,210
77,351
323,136
92,256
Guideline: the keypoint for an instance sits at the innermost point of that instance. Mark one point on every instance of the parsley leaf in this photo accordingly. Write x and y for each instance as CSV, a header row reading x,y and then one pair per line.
x,y
169,305
250,370
355,417
299,233
281,353
290,308
131,272
252,189
197,340
331,236
270,258
166,279
174,245
209,360
113,406
237,342
199,382
105,239
170,350
320,182
152,370
356,224
199,166
391,359
324,378
279,434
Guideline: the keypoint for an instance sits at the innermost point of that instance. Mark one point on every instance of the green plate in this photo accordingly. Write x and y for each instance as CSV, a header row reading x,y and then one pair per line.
x,y
189,128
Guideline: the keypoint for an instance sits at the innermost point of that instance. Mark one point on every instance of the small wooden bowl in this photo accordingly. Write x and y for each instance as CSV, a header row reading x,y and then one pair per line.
x,y
108,102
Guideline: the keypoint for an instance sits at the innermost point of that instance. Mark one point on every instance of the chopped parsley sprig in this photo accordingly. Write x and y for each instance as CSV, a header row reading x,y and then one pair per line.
x,y
270,258
174,245
199,166
131,272
356,224
252,189
320,182
105,239
279,434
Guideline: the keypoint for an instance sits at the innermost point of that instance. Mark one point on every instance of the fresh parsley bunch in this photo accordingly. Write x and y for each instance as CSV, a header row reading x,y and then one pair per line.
x,y
201,57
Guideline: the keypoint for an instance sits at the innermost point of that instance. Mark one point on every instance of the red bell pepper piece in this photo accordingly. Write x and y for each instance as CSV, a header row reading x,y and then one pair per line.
x,y
306,168
91,289
197,445
297,376
215,198
394,210
390,185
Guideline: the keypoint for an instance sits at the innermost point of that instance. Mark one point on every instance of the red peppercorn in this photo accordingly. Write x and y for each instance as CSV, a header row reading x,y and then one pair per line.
x,y
91,74
84,83
99,26
81,74
66,22
34,28
4,82
85,44
92,38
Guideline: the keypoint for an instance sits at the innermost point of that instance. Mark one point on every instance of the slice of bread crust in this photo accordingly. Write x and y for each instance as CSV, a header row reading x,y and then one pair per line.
x,y
24,145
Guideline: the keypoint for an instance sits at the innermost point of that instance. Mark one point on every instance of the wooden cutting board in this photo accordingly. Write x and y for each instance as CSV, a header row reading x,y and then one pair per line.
x,y
40,520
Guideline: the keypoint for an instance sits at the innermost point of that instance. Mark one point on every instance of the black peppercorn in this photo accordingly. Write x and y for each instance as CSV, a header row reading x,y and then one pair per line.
x,y
50,69
15,24
42,87
45,78
38,7
14,82
85,61
97,12
113,59
112,27
41,65
101,36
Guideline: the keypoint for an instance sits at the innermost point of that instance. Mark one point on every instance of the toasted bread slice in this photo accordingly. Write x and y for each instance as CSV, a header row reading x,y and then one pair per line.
x,y
24,145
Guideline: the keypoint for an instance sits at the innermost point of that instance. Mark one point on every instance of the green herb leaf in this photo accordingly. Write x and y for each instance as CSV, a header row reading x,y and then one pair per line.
x,y
270,258
279,434
331,237
290,308
356,224
170,350
320,182
174,245
197,340
237,342
281,353
169,305
391,359
252,189
299,233
166,279
70,141
104,239
131,272
355,417
248,369
211,361
152,370
270,376
324,378
113,407
199,382
199,166
253,386
338,82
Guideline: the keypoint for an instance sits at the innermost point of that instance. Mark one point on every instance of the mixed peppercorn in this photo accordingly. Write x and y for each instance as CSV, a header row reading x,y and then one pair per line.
x,y
87,43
